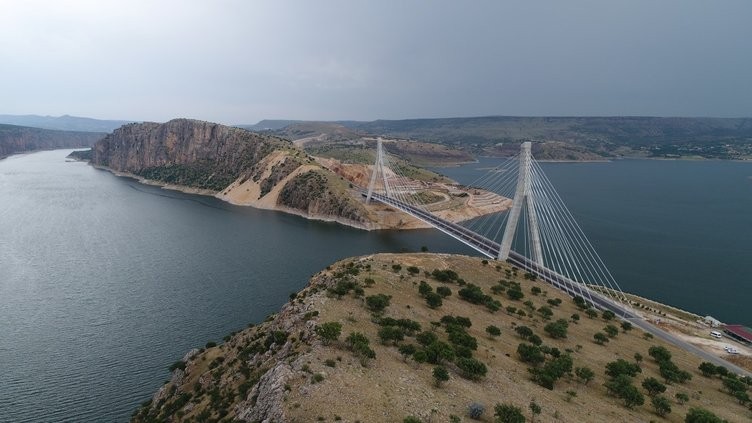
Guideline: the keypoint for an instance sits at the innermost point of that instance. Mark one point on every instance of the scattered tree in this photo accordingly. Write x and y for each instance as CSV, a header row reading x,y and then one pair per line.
x,y
622,367
638,358
554,302
701,415
584,374
611,331
443,291
608,315
407,350
681,397
493,331
471,368
391,334
707,369
515,294
523,331
557,329
659,353
440,374
434,300
626,326
329,331
653,386
546,312
424,288
439,351
530,354
508,413
580,302
600,338
661,405
378,302
535,409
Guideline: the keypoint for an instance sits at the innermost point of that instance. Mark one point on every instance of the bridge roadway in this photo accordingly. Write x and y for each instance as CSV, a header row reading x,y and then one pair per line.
x,y
491,249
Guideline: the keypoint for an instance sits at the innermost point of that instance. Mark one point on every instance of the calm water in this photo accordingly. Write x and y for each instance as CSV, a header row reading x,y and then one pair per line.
x,y
104,282
679,232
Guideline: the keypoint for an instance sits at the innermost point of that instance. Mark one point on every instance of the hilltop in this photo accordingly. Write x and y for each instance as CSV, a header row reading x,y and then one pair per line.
x,y
559,138
64,123
18,139
265,171
362,342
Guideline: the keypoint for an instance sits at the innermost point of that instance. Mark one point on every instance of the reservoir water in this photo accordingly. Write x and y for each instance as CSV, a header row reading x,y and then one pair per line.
x,y
676,231
104,282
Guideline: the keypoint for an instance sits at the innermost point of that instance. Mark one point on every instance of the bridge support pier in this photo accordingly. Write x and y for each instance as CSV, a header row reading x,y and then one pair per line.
x,y
378,169
523,196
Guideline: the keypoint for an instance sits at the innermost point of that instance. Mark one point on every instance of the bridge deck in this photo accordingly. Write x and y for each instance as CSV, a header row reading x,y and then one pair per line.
x,y
490,248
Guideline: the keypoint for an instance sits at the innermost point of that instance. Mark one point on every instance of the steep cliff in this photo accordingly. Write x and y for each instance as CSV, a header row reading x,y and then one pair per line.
x,y
184,152
241,167
17,139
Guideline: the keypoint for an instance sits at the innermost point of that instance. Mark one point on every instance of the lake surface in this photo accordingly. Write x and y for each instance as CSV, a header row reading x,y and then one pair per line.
x,y
679,232
104,282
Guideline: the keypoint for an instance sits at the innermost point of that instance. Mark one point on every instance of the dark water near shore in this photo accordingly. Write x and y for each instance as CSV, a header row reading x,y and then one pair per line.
x,y
104,282
679,232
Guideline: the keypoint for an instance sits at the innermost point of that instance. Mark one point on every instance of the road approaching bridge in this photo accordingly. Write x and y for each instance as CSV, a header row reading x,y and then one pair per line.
x,y
491,249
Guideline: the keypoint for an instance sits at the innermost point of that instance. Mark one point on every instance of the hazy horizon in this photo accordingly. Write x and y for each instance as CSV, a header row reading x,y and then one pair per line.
x,y
238,62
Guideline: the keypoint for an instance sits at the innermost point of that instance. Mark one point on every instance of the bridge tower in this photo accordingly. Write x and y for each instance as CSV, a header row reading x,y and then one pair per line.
x,y
378,172
523,195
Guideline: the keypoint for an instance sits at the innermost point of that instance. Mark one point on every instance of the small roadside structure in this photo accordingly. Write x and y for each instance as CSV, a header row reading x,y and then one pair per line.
x,y
712,321
740,333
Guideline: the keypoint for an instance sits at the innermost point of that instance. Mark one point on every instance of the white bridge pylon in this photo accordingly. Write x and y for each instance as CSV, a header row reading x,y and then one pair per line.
x,y
538,232
523,195
378,169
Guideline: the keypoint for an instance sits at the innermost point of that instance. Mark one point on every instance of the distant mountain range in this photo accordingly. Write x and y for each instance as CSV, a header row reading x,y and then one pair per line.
x,y
63,123
554,138
557,138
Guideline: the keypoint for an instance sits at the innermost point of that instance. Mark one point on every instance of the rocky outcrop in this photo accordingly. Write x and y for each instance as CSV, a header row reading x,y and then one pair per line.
x,y
317,192
18,139
184,152
267,397
238,166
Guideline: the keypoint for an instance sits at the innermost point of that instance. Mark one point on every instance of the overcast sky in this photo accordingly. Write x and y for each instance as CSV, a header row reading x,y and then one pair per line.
x,y
242,61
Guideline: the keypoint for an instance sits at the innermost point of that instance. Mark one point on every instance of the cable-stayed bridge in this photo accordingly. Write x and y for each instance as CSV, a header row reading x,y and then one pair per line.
x,y
538,233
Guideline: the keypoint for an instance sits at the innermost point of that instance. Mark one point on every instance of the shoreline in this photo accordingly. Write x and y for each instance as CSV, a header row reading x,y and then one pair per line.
x,y
211,193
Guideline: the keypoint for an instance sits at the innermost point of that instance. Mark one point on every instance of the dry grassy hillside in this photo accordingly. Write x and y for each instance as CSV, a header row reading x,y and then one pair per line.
x,y
339,351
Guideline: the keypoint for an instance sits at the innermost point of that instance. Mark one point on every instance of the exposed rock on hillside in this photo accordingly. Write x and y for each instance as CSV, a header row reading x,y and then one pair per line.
x,y
239,166
18,139
264,171
185,152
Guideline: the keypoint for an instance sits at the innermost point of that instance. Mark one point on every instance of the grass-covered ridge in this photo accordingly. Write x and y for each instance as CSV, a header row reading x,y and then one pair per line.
x,y
425,337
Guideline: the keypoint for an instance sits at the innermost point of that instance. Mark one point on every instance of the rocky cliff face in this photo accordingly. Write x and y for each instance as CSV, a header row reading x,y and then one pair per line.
x,y
184,152
242,167
17,139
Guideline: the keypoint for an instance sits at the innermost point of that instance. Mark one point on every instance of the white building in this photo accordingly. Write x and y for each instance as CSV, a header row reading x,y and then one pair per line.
x,y
712,321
